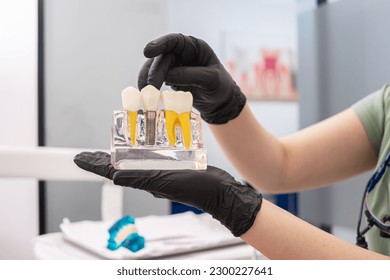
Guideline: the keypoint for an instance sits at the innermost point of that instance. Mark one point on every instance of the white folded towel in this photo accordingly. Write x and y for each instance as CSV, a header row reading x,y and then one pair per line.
x,y
164,235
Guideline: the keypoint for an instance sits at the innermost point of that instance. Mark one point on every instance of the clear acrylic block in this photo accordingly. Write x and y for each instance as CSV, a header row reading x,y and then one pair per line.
x,y
151,148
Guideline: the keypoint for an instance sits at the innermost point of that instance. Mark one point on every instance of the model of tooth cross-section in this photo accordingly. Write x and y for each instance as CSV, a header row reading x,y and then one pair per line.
x,y
156,137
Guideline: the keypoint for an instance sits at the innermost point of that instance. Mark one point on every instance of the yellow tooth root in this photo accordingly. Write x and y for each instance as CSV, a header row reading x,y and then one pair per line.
x,y
185,124
183,120
133,125
171,120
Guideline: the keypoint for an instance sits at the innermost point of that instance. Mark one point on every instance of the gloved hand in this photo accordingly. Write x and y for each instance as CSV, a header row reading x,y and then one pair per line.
x,y
189,64
213,191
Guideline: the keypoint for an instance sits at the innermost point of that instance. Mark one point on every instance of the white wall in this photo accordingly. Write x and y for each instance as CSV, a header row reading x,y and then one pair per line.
x,y
18,123
256,18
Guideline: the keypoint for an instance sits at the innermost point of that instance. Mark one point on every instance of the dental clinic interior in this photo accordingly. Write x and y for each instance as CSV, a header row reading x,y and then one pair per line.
x,y
65,63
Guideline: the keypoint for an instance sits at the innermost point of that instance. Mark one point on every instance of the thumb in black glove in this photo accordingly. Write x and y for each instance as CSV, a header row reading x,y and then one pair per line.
x,y
189,64
213,191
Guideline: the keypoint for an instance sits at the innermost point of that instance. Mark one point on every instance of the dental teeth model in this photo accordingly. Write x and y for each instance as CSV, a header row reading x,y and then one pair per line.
x,y
124,234
154,138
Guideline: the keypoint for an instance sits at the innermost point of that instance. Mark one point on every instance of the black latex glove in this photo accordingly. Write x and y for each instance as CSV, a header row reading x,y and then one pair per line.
x,y
189,64
213,191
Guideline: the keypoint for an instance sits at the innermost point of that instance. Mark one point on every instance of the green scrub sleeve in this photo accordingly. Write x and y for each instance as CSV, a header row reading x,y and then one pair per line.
x,y
371,111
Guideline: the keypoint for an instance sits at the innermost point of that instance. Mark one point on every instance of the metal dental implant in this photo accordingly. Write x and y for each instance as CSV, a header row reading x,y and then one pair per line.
x,y
150,129
150,99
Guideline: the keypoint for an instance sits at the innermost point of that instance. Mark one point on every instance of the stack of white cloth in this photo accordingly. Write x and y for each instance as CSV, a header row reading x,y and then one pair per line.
x,y
164,235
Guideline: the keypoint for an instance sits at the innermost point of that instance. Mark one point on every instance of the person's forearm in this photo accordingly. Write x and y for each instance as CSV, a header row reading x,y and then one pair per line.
x,y
334,149
256,154
277,234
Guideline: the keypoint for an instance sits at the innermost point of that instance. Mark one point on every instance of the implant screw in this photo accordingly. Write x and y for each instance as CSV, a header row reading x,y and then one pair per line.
x,y
150,131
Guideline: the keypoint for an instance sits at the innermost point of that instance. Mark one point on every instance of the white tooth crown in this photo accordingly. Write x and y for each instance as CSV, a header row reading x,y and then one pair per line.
x,y
177,101
150,98
124,232
131,99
